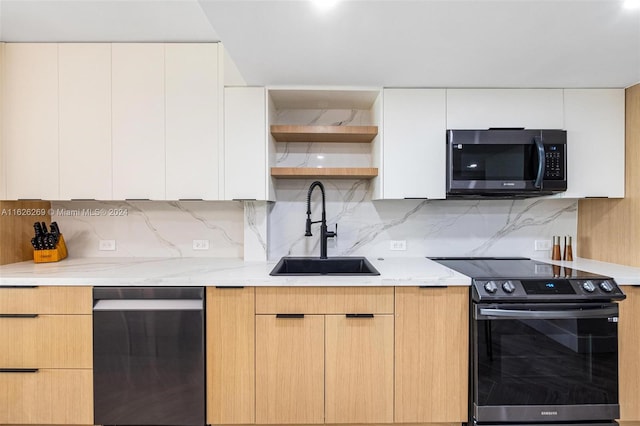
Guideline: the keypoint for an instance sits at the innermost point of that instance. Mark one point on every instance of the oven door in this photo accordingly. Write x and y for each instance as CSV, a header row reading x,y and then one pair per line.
x,y
545,362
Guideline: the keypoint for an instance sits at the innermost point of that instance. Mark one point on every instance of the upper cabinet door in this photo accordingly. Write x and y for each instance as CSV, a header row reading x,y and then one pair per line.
x,y
138,112
85,121
595,120
3,175
193,121
485,108
414,129
245,149
30,122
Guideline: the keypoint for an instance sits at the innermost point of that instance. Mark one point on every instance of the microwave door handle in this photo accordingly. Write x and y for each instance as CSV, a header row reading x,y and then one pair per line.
x,y
541,161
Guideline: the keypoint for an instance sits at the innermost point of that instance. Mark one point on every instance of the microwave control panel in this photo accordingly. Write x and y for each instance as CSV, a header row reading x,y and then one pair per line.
x,y
554,162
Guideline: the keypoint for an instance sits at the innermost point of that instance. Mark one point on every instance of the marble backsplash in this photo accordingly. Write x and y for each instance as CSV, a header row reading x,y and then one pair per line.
x,y
151,228
260,230
429,227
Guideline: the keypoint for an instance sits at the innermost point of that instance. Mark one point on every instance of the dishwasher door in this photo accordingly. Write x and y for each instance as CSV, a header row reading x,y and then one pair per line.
x,y
148,356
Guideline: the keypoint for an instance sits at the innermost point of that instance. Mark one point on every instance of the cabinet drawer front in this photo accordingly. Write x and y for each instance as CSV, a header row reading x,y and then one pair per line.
x,y
45,300
324,300
47,397
46,341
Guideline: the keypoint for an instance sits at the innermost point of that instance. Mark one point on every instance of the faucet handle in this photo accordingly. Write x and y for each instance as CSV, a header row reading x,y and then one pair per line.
x,y
333,234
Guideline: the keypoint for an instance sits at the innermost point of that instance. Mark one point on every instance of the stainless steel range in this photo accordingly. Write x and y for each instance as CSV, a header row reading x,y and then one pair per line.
x,y
544,343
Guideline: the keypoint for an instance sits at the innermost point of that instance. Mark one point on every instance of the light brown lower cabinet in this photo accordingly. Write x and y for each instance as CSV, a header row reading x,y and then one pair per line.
x,y
57,396
46,341
230,355
359,369
431,354
289,369
629,359
46,360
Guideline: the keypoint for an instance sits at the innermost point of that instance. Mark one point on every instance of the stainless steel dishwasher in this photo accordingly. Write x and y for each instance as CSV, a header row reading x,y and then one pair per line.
x,y
148,356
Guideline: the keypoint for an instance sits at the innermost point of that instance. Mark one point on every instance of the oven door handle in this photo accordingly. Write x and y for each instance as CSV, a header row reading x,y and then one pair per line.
x,y
489,313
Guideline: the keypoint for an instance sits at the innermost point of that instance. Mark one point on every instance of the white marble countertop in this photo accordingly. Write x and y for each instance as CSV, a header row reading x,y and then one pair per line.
x,y
410,271
624,275
395,271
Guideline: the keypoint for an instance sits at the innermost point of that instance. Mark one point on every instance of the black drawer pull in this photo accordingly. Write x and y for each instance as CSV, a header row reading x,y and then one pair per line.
x,y
359,315
433,286
230,286
19,370
18,286
285,316
18,315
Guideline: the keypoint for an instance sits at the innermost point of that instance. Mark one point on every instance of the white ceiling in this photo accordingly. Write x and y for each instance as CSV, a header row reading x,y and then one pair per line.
x,y
432,43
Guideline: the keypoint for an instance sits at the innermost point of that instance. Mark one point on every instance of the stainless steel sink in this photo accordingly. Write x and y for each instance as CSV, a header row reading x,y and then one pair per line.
x,y
317,266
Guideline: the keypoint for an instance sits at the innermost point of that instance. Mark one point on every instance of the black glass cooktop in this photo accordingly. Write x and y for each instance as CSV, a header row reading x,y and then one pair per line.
x,y
506,268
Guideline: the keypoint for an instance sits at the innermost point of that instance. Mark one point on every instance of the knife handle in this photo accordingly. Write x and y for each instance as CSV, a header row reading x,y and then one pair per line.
x,y
38,229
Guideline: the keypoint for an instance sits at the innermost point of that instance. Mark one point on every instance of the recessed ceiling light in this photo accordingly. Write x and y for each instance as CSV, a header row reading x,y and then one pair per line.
x,y
631,4
324,4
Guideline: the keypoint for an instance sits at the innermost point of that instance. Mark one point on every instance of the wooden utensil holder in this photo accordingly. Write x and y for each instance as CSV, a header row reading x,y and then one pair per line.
x,y
54,255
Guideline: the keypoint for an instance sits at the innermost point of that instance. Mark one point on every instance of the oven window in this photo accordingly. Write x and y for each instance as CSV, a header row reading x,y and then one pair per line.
x,y
494,162
546,362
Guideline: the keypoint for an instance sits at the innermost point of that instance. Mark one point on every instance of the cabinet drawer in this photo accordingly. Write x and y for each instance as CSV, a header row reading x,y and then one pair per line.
x,y
45,300
47,397
324,300
46,341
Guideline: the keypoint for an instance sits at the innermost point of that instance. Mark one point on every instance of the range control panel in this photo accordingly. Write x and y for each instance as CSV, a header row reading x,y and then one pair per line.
x,y
547,290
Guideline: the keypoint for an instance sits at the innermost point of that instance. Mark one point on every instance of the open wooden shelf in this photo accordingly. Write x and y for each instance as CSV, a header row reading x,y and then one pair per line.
x,y
357,134
329,172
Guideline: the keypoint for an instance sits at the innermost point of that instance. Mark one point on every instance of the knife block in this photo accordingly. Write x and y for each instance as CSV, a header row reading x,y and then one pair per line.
x,y
58,253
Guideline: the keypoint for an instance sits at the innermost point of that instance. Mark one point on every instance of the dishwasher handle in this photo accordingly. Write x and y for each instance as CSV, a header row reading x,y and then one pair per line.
x,y
148,305
144,293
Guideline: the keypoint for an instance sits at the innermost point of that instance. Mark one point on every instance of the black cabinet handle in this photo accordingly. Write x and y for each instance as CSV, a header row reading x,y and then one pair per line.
x,y
359,315
285,316
230,286
18,286
18,315
433,286
19,370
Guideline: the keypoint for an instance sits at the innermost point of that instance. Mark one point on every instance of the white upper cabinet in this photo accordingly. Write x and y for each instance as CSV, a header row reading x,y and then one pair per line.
x,y
3,175
30,120
193,121
138,120
414,136
245,143
595,121
485,108
85,120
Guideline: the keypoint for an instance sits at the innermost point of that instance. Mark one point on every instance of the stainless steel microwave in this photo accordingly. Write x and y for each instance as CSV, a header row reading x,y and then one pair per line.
x,y
509,163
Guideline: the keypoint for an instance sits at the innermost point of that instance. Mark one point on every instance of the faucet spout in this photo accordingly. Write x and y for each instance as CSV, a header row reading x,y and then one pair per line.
x,y
324,234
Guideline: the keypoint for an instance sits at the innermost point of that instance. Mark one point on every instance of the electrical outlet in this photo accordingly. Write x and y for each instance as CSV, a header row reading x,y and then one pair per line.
x,y
398,245
201,244
542,245
107,245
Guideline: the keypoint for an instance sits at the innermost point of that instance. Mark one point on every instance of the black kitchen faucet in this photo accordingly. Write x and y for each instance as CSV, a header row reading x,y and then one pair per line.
x,y
324,234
